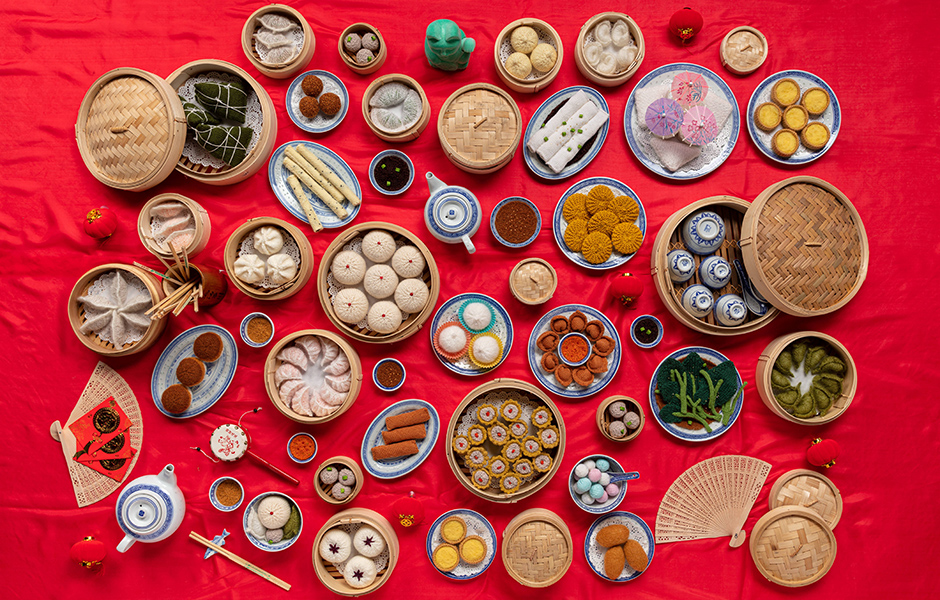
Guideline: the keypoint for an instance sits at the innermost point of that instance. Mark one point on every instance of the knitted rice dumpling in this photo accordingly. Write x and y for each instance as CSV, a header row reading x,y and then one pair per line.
x,y
230,144
197,115
228,99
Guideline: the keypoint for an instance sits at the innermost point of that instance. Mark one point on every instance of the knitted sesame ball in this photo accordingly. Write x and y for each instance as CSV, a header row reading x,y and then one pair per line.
x,y
384,317
347,477
348,267
408,261
370,42
364,56
330,104
594,475
380,281
378,246
329,475
368,542
604,497
411,295
273,511
543,57
340,491
604,480
309,107
352,42
351,305
596,491
312,85
617,429
589,464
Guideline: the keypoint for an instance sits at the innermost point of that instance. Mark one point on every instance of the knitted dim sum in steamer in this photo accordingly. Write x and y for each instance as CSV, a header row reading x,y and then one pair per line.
x,y
250,268
348,268
311,345
281,268
226,99
378,246
268,240
329,351
338,366
359,572
380,281
411,295
273,511
384,317
351,305
335,546
368,542
408,262
295,356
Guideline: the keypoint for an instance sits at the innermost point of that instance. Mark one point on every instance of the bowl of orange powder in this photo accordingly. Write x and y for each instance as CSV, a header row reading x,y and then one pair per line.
x,y
302,447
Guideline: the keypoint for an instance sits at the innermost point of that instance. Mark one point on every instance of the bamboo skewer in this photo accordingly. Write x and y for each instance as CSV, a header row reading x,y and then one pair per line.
x,y
240,561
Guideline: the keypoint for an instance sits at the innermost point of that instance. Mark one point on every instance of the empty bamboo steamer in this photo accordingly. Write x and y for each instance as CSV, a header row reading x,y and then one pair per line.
x,y
533,281
536,80
330,576
746,60
593,74
402,136
304,269
479,128
292,67
537,548
809,489
343,462
792,546
200,216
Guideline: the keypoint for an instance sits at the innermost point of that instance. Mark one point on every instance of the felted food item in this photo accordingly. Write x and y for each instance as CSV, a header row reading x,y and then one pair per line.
x,y
559,324
446,557
330,104
486,414
408,262
617,430
543,57
673,154
329,475
785,143
273,511
509,483
548,341
351,305
473,549
550,362
481,478
523,467
815,136
226,99
378,246
477,457
281,268
380,281
524,39
815,101
309,107
785,92
594,330
531,446
603,221
461,444
197,115
518,65
476,316
575,207
625,207
598,198
313,85
542,463
626,238
249,268
348,267
208,347
176,399
767,116
384,113
384,317
563,375
575,233
370,42
359,572
451,340
485,350
411,295
191,371
453,529
548,436
614,561
268,240
596,248
513,450
368,542
498,434
292,527
273,536
364,56
228,144
412,432
635,555
352,42
477,434
613,535
406,419
582,376
295,356
604,346
497,466
795,117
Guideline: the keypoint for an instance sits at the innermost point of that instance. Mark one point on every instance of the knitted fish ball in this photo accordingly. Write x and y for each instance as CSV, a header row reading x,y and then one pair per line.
x,y
380,281
273,511
347,477
329,475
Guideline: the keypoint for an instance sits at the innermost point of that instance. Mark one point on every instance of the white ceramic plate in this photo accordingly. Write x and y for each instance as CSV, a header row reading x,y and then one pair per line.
x,y
476,525
320,123
396,467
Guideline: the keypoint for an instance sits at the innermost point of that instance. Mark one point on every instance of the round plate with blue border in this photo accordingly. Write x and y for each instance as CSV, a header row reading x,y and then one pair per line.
x,y
320,123
477,524
639,531
396,467
502,327
399,154
527,202
268,547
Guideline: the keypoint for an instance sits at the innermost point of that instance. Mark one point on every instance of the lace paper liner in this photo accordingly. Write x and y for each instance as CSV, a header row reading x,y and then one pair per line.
x,y
297,37
290,249
589,38
595,552
136,290
321,120
475,526
159,241
505,49
381,561
500,328
254,118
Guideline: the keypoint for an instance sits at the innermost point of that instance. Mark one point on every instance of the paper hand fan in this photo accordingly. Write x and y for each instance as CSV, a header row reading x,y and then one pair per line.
x,y
711,499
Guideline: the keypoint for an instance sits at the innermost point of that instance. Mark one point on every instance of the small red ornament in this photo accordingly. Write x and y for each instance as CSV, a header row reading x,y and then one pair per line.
x,y
685,23
407,512
100,223
89,553
626,288
823,453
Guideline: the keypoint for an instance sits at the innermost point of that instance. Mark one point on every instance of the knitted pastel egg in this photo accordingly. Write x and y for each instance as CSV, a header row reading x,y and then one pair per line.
x,y
273,511
335,546
378,246
351,305
380,281
348,268
384,317
408,261
411,295
368,542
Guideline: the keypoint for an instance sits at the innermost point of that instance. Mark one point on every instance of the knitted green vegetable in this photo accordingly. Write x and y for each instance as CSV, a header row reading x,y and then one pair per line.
x,y
227,99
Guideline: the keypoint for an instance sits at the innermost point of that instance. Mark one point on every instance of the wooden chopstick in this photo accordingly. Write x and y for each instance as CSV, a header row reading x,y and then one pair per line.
x,y
158,273
240,561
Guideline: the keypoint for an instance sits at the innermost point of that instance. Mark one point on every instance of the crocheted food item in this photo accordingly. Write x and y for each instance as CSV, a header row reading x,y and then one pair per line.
x,y
330,104
228,144
352,42
477,435
801,363
541,417
254,526
197,115
603,221
815,136
191,371
281,268
309,107
509,483
411,295
273,511
480,478
351,305
498,435
473,550
347,477
596,248
384,317
380,281
513,450
226,99
548,437
635,555
626,209
208,347
477,316
312,85
395,107
348,267
368,542
631,420
487,414
598,198
524,39
518,429
575,233
542,463
364,56
329,475
617,430
531,446
485,350
250,268
614,562
785,92
575,207
359,572
767,116
785,143
549,362
116,310
408,261
453,529
559,324
446,557
617,409
176,399
815,100
582,376
510,410
543,57
451,341
563,375
370,42
523,467
547,341
594,330
518,65
378,246
626,238
795,117
273,536
460,444
497,466
340,491
604,346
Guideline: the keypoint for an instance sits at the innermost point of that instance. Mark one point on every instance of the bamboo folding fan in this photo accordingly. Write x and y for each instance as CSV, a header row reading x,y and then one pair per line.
x,y
711,499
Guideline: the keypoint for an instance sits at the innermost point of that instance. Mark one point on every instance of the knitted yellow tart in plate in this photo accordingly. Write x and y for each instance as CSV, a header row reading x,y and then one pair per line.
x,y
815,100
767,116
785,143
785,92
815,136
795,117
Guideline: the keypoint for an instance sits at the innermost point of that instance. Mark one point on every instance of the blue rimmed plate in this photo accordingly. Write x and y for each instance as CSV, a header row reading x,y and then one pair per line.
x,y
831,118
396,467
269,547
547,379
504,202
598,508
694,435
652,344
559,225
535,162
639,531
708,161
219,374
398,154
502,327
278,174
320,123
476,525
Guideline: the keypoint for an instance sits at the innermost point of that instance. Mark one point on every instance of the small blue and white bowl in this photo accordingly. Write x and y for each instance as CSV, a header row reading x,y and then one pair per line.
x,y
504,202
215,501
282,545
243,329
730,310
597,508
655,342
715,272
697,300
378,158
375,374
681,266
567,360
303,461
703,232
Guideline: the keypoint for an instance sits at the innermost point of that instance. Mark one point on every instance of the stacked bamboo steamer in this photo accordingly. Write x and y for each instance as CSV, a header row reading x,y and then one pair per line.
x,y
304,269
593,74
793,546
479,128
282,71
330,576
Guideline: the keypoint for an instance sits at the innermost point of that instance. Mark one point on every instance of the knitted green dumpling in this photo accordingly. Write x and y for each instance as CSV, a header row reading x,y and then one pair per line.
x,y
292,527
230,144
228,99
197,115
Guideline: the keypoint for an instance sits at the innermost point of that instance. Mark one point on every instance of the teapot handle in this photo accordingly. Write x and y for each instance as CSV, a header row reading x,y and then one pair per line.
x,y
125,544
469,245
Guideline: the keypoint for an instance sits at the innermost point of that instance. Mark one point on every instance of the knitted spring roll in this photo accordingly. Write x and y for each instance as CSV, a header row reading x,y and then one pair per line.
x,y
390,451
412,432
412,417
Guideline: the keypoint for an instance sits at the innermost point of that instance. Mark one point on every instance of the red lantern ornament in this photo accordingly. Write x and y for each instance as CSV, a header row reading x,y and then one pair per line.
x,y
626,288
823,453
89,553
100,223
407,512
685,23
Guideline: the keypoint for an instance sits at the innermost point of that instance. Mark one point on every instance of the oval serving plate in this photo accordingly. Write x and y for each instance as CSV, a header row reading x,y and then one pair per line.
x,y
639,531
638,137
219,374
477,524
559,225
547,379
502,328
278,173
543,114
396,467
320,123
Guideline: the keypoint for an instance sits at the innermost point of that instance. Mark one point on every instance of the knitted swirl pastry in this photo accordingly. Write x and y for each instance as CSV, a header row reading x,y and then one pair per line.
x,y
509,483
486,414
575,207
575,233
627,238
596,248
477,458
598,198
603,221
513,450
531,446
542,463
626,209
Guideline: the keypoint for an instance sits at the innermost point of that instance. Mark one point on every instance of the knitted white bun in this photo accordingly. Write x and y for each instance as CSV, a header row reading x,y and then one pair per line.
x,y
411,295
368,542
281,268
380,281
268,240
378,246
359,572
348,267
351,305
384,317
335,546
408,261
273,511
249,268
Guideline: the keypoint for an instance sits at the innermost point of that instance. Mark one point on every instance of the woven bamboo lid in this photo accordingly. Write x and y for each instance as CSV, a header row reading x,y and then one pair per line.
x,y
479,127
793,546
130,129
809,489
533,281
537,548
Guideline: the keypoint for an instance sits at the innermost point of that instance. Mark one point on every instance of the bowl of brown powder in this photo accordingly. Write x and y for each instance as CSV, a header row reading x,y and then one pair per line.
x,y
257,329
226,494
515,222
388,374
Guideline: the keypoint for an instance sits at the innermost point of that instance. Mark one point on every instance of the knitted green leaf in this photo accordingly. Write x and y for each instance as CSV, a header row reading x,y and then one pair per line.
x,y
228,99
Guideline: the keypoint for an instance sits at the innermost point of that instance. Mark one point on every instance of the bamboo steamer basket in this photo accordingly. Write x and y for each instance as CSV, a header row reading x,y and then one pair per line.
x,y
328,574
593,74
285,70
430,276
463,473
537,80
479,128
304,270
809,489
765,365
533,281
355,368
402,136
201,216
324,489
91,340
733,61
792,546
603,418
350,60
537,548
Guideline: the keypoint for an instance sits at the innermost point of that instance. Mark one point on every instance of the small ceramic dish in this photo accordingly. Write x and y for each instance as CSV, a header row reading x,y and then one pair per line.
x,y
376,161
698,300
703,232
302,461
243,329
730,310
597,507
573,361
639,531
397,467
500,206
320,123
681,266
715,272
375,374
267,546
637,323
218,504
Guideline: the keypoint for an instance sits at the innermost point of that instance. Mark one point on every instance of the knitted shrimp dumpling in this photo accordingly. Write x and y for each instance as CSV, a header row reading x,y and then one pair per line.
x,y
311,345
339,365
330,351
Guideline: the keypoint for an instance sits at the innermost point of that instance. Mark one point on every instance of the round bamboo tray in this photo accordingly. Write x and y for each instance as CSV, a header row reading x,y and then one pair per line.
x,y
201,216
809,489
130,129
537,548
462,472
285,70
324,489
792,546
350,60
304,270
537,80
258,156
765,366
430,276
402,136
355,367
805,246
533,281
593,74
734,61
603,418
91,340
328,574
732,210
479,127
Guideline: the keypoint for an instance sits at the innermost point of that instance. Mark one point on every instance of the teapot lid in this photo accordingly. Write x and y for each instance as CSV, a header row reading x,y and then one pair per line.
x,y
144,511
453,212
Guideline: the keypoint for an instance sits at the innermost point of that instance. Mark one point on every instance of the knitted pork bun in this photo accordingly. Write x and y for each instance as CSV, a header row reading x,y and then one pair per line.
x,y
348,267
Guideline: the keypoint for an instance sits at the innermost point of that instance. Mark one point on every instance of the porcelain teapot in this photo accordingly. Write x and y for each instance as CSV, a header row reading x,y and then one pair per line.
x,y
150,508
452,213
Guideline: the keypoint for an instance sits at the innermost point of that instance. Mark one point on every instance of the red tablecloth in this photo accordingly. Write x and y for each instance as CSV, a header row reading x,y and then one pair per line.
x,y
879,59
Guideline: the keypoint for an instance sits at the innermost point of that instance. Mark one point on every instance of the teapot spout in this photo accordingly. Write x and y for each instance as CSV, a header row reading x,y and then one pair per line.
x,y
168,475
434,183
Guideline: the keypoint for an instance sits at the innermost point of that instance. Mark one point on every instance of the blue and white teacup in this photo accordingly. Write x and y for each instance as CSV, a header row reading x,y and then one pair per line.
x,y
730,310
715,272
681,266
703,232
697,300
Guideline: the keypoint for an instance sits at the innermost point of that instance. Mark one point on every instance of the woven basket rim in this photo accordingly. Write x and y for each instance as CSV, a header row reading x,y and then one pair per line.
x,y
787,512
784,481
527,261
592,73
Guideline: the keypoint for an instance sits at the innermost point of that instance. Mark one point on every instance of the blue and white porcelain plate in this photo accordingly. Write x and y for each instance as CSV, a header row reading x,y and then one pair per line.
x,y
320,123
574,390
527,202
695,435
476,525
639,531
535,162
598,508
278,174
396,467
219,374
559,225
831,118
267,547
713,155
502,327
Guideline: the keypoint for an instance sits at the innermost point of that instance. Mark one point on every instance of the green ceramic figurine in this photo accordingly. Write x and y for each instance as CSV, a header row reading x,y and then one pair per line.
x,y
446,46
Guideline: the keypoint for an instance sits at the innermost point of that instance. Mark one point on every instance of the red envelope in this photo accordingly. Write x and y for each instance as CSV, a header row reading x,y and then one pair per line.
x,y
113,468
118,447
99,426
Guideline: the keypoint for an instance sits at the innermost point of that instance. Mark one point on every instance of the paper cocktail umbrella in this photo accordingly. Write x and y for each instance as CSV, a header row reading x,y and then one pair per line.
x,y
664,117
689,89
699,126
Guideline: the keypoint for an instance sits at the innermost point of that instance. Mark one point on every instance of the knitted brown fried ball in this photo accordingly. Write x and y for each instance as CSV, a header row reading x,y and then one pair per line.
x,y
330,104
309,107
312,85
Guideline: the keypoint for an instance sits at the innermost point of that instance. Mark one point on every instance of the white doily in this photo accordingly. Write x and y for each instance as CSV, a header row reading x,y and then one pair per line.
x,y
505,49
595,552
475,526
321,120
290,249
136,290
381,561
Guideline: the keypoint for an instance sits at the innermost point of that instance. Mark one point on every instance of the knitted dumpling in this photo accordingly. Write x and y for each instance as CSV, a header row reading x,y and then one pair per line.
x,y
411,295
330,351
268,240
228,99
273,511
335,546
359,572
228,144
249,268
255,527
281,268
351,305
408,261
368,542
380,281
311,345
197,115
348,268
378,246
384,317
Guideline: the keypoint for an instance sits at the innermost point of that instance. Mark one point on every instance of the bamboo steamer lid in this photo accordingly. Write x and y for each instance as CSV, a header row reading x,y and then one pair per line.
x,y
793,546
809,489
537,548
533,281
742,62
327,572
479,128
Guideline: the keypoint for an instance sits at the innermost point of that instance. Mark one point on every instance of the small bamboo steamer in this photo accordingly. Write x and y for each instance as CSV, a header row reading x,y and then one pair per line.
x,y
603,418
203,226
732,62
324,489
282,71
537,548
328,574
809,489
590,72
534,84
430,276
355,368
350,61
792,546
479,128
259,155
91,340
304,270
463,473
533,281
402,136
765,366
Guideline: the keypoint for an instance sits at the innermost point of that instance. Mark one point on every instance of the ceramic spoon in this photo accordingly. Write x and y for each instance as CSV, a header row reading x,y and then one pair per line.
x,y
754,301
618,477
